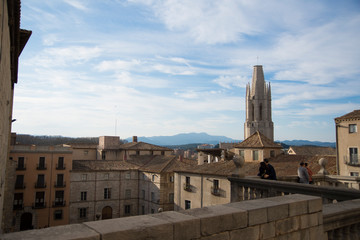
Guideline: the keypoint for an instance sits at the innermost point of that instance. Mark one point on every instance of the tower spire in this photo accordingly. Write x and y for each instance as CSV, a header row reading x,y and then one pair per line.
x,y
258,106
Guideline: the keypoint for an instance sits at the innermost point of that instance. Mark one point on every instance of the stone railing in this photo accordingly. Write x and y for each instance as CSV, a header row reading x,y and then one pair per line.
x,y
254,188
328,180
288,217
342,220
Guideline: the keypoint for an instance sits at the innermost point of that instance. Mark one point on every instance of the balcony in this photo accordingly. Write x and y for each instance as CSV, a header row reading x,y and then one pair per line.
x,y
60,166
39,205
59,184
40,166
40,185
353,160
59,203
187,187
20,167
20,186
18,206
215,191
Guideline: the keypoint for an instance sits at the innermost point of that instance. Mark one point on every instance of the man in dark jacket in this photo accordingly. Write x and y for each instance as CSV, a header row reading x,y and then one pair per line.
x,y
270,170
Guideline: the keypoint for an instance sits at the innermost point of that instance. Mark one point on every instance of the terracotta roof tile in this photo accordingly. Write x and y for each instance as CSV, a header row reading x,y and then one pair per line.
x,y
353,114
143,146
257,140
313,150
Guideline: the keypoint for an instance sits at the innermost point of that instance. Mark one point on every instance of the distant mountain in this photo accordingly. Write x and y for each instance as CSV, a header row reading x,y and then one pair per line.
x,y
308,143
184,138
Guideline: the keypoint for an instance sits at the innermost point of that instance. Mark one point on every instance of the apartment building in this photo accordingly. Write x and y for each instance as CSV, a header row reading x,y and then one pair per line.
x,y
348,143
103,189
41,192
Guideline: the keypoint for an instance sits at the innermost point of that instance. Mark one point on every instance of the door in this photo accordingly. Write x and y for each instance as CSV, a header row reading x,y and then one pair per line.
x,y
106,213
26,221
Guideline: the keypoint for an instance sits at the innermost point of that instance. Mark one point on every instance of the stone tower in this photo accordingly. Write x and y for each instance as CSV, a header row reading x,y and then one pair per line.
x,y
258,106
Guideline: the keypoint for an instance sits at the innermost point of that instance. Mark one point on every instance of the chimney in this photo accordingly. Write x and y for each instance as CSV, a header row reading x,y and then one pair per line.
x,y
134,138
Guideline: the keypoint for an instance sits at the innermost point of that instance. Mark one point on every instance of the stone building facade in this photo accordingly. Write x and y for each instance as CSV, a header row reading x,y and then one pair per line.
x,y
103,189
258,106
13,40
203,185
40,187
348,143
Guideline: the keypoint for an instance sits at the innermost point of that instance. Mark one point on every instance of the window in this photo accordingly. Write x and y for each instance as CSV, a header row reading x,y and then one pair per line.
x,y
353,152
144,176
127,209
82,212
84,177
58,214
103,155
60,164
18,201
107,193
352,128
153,178
19,184
142,209
241,153
171,179
152,196
106,176
171,197
127,175
187,186
59,180
83,196
162,153
187,180
151,152
354,174
21,163
39,199
255,155
137,152
187,204
272,153
59,198
215,188
41,164
152,210
128,193
40,181
143,194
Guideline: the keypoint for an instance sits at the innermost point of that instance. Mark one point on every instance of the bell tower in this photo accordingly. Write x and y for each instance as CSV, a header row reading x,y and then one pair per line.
x,y
258,106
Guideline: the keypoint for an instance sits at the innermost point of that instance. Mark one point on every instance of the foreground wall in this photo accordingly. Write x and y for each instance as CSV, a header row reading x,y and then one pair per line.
x,y
288,217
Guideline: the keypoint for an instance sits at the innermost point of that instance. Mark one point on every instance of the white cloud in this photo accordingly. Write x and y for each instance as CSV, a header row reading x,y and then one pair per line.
x,y
229,81
80,5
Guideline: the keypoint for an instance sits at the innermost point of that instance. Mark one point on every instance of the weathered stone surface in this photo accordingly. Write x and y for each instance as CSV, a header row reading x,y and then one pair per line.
x,y
133,228
317,233
219,218
66,232
220,236
297,205
309,220
267,230
287,225
185,226
245,233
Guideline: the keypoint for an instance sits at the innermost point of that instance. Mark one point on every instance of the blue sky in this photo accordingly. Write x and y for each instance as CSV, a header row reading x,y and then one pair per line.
x,y
150,68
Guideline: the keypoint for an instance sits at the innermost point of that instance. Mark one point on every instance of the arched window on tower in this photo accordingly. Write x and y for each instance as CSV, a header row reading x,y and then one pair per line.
x,y
252,112
260,112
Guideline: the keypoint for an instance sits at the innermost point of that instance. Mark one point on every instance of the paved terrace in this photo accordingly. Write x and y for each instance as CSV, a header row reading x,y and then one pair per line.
x,y
293,216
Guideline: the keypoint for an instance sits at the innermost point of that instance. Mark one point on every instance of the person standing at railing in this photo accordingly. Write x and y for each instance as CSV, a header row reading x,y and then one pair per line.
x,y
303,174
310,173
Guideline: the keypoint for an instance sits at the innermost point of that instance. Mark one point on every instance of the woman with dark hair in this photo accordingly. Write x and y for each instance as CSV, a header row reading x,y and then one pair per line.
x,y
262,171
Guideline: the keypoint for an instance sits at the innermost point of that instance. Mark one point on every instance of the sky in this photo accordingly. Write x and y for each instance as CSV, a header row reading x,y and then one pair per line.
x,y
162,67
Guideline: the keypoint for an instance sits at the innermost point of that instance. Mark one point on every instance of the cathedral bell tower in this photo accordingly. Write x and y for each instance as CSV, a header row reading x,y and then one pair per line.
x,y
258,106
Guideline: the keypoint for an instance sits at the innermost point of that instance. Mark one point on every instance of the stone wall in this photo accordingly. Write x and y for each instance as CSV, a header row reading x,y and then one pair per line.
x,y
289,217
6,96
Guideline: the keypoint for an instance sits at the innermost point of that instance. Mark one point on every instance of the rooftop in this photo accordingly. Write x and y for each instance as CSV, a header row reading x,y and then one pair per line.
x,y
257,140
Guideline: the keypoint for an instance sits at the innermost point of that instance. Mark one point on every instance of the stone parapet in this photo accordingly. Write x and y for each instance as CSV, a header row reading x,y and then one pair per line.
x,y
288,217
